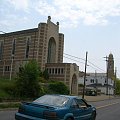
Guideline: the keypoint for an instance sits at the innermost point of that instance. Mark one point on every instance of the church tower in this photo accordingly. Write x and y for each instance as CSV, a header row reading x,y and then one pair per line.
x,y
110,66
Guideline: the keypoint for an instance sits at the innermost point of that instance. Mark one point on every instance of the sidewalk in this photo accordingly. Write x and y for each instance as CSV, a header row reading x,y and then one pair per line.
x,y
98,98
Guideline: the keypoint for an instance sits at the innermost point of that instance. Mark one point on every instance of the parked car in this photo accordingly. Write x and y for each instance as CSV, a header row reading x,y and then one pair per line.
x,y
56,107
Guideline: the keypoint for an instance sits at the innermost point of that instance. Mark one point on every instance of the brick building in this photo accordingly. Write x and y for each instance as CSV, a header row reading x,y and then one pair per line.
x,y
45,44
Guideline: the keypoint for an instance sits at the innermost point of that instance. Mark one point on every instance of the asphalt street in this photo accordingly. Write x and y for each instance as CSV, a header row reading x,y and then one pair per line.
x,y
109,113
106,110
7,115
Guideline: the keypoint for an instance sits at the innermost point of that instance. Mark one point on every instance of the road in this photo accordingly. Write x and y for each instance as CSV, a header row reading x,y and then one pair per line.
x,y
109,113
7,115
106,110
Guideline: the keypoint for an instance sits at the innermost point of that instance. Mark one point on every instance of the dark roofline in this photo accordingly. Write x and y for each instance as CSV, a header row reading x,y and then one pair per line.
x,y
99,85
19,32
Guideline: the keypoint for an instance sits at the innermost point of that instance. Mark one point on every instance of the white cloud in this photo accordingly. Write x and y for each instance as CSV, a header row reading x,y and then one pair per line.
x,y
91,12
44,8
12,21
69,13
19,4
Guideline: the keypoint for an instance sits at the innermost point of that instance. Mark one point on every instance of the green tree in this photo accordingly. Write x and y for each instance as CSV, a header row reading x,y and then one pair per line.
x,y
45,74
118,87
27,83
58,88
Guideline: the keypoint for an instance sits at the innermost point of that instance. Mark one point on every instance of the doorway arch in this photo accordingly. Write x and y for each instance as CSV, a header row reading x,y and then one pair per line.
x,y
74,85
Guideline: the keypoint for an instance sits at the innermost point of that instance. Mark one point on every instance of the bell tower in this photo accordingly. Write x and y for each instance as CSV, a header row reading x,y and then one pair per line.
x,y
110,66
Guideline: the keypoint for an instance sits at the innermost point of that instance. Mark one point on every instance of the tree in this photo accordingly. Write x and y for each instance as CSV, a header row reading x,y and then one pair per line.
x,y
45,74
58,88
118,87
27,83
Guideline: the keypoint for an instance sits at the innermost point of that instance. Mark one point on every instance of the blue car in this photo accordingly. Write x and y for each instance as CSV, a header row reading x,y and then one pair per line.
x,y
56,107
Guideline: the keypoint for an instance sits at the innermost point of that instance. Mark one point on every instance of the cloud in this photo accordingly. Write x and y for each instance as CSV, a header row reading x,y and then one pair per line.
x,y
91,12
19,4
12,21
70,13
13,12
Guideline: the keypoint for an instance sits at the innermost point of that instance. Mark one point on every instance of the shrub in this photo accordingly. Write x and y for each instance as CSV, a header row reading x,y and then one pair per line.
x,y
58,88
27,80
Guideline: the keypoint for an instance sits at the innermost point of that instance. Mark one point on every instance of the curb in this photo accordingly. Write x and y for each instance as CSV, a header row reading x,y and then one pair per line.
x,y
102,99
8,109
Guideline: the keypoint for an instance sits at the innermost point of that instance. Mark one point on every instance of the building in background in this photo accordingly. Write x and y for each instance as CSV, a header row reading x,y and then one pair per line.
x,y
103,82
44,44
98,81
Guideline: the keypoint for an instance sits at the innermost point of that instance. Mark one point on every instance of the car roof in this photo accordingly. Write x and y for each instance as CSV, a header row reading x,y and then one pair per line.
x,y
68,96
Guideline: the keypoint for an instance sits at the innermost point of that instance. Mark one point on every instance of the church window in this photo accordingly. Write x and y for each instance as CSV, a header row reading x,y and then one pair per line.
x,y
1,49
27,47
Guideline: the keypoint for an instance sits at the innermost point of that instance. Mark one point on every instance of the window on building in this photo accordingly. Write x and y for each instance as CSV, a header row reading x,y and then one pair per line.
x,y
55,70
1,49
27,47
52,70
13,47
7,68
105,81
92,80
58,70
61,70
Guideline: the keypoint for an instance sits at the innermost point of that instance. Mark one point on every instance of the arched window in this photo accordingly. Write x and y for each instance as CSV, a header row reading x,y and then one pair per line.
x,y
13,47
1,49
27,47
51,51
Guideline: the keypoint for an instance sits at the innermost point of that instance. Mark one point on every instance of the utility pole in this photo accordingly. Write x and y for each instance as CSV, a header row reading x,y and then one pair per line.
x,y
96,81
85,76
106,74
115,81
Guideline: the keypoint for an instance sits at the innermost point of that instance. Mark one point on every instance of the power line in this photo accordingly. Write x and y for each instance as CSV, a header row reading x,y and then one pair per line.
x,y
74,56
96,66
81,62
84,60
73,59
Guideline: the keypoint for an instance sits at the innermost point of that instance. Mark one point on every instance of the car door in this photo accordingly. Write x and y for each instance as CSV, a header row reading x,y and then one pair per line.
x,y
74,109
83,110
79,113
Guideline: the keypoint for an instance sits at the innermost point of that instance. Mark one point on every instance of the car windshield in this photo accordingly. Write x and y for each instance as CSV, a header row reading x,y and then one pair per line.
x,y
52,100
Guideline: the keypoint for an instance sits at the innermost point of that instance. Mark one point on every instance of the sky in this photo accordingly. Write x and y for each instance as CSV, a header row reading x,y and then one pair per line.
x,y
91,26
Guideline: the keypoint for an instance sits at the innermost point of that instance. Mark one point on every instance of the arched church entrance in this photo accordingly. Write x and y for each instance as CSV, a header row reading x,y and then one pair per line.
x,y
74,85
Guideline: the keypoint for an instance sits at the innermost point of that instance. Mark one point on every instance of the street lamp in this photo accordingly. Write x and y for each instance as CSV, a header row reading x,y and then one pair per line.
x,y
12,57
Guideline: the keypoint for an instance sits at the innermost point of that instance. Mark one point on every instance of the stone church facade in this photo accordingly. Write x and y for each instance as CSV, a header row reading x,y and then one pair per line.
x,y
44,44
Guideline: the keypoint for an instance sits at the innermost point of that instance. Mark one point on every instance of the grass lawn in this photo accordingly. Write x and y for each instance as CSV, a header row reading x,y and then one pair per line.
x,y
6,88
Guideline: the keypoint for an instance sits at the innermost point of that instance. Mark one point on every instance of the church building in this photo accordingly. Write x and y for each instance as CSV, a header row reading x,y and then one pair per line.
x,y
44,44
